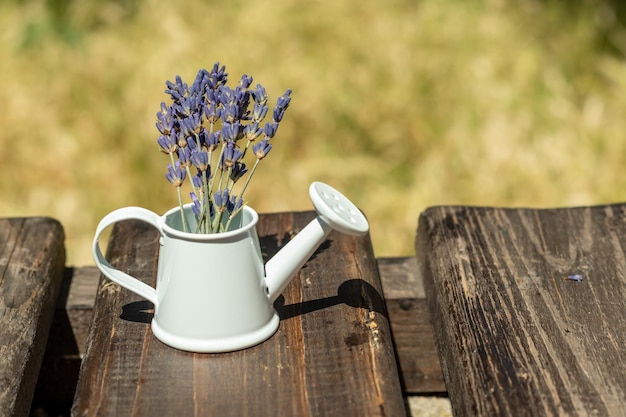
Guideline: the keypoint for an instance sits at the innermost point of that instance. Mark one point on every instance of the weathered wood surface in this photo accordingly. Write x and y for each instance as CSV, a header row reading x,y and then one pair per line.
x,y
332,354
418,360
58,375
412,334
516,336
32,257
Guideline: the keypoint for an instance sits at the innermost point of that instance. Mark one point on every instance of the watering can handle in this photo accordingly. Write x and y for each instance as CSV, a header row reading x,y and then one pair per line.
x,y
115,275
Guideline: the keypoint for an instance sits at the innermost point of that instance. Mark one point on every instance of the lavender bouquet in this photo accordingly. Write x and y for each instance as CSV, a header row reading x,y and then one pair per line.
x,y
211,127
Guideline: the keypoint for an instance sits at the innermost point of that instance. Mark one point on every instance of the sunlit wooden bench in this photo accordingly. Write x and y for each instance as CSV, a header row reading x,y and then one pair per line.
x,y
32,258
528,308
332,355
418,363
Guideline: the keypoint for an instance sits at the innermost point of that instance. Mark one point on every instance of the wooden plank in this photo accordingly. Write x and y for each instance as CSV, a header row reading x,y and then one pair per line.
x,y
516,336
78,304
413,337
73,312
332,354
418,361
32,256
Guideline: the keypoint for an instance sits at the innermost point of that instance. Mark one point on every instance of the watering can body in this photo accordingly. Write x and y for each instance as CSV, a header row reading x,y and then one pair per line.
x,y
213,292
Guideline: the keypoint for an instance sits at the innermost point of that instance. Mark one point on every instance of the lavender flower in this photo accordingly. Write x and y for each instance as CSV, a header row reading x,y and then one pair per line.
x,y
231,132
196,205
234,204
238,171
175,174
259,95
230,113
259,112
231,155
184,157
190,125
252,131
281,106
200,83
198,182
202,126
212,112
213,141
245,81
165,120
217,77
181,140
262,148
168,143
178,90
203,137
270,129
226,95
221,199
200,160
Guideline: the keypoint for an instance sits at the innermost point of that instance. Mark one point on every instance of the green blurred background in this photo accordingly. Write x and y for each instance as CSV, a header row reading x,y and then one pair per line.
x,y
401,105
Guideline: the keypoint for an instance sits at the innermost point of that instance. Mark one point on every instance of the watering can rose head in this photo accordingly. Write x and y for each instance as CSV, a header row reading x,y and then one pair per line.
x,y
208,131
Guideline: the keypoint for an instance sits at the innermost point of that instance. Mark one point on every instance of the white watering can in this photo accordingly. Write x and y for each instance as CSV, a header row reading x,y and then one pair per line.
x,y
213,293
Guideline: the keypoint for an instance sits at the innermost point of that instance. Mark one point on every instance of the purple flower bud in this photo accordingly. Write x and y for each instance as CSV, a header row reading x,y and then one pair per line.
x,y
259,112
197,206
230,113
177,90
245,81
191,125
230,156
187,106
197,181
262,148
252,131
184,155
200,82
221,199
212,112
226,95
212,96
165,120
167,143
238,171
241,94
270,129
175,175
242,99
200,160
232,131
192,144
181,140
213,141
203,137
234,204
281,105
217,77
259,95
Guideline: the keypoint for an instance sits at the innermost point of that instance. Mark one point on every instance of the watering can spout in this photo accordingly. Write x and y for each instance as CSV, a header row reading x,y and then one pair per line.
x,y
334,211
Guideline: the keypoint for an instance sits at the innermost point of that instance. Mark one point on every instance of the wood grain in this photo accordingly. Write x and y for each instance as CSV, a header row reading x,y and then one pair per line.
x,y
73,312
411,328
332,354
516,336
412,333
32,256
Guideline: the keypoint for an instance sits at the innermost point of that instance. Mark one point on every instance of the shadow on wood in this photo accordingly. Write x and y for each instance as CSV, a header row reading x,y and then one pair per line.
x,y
355,293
